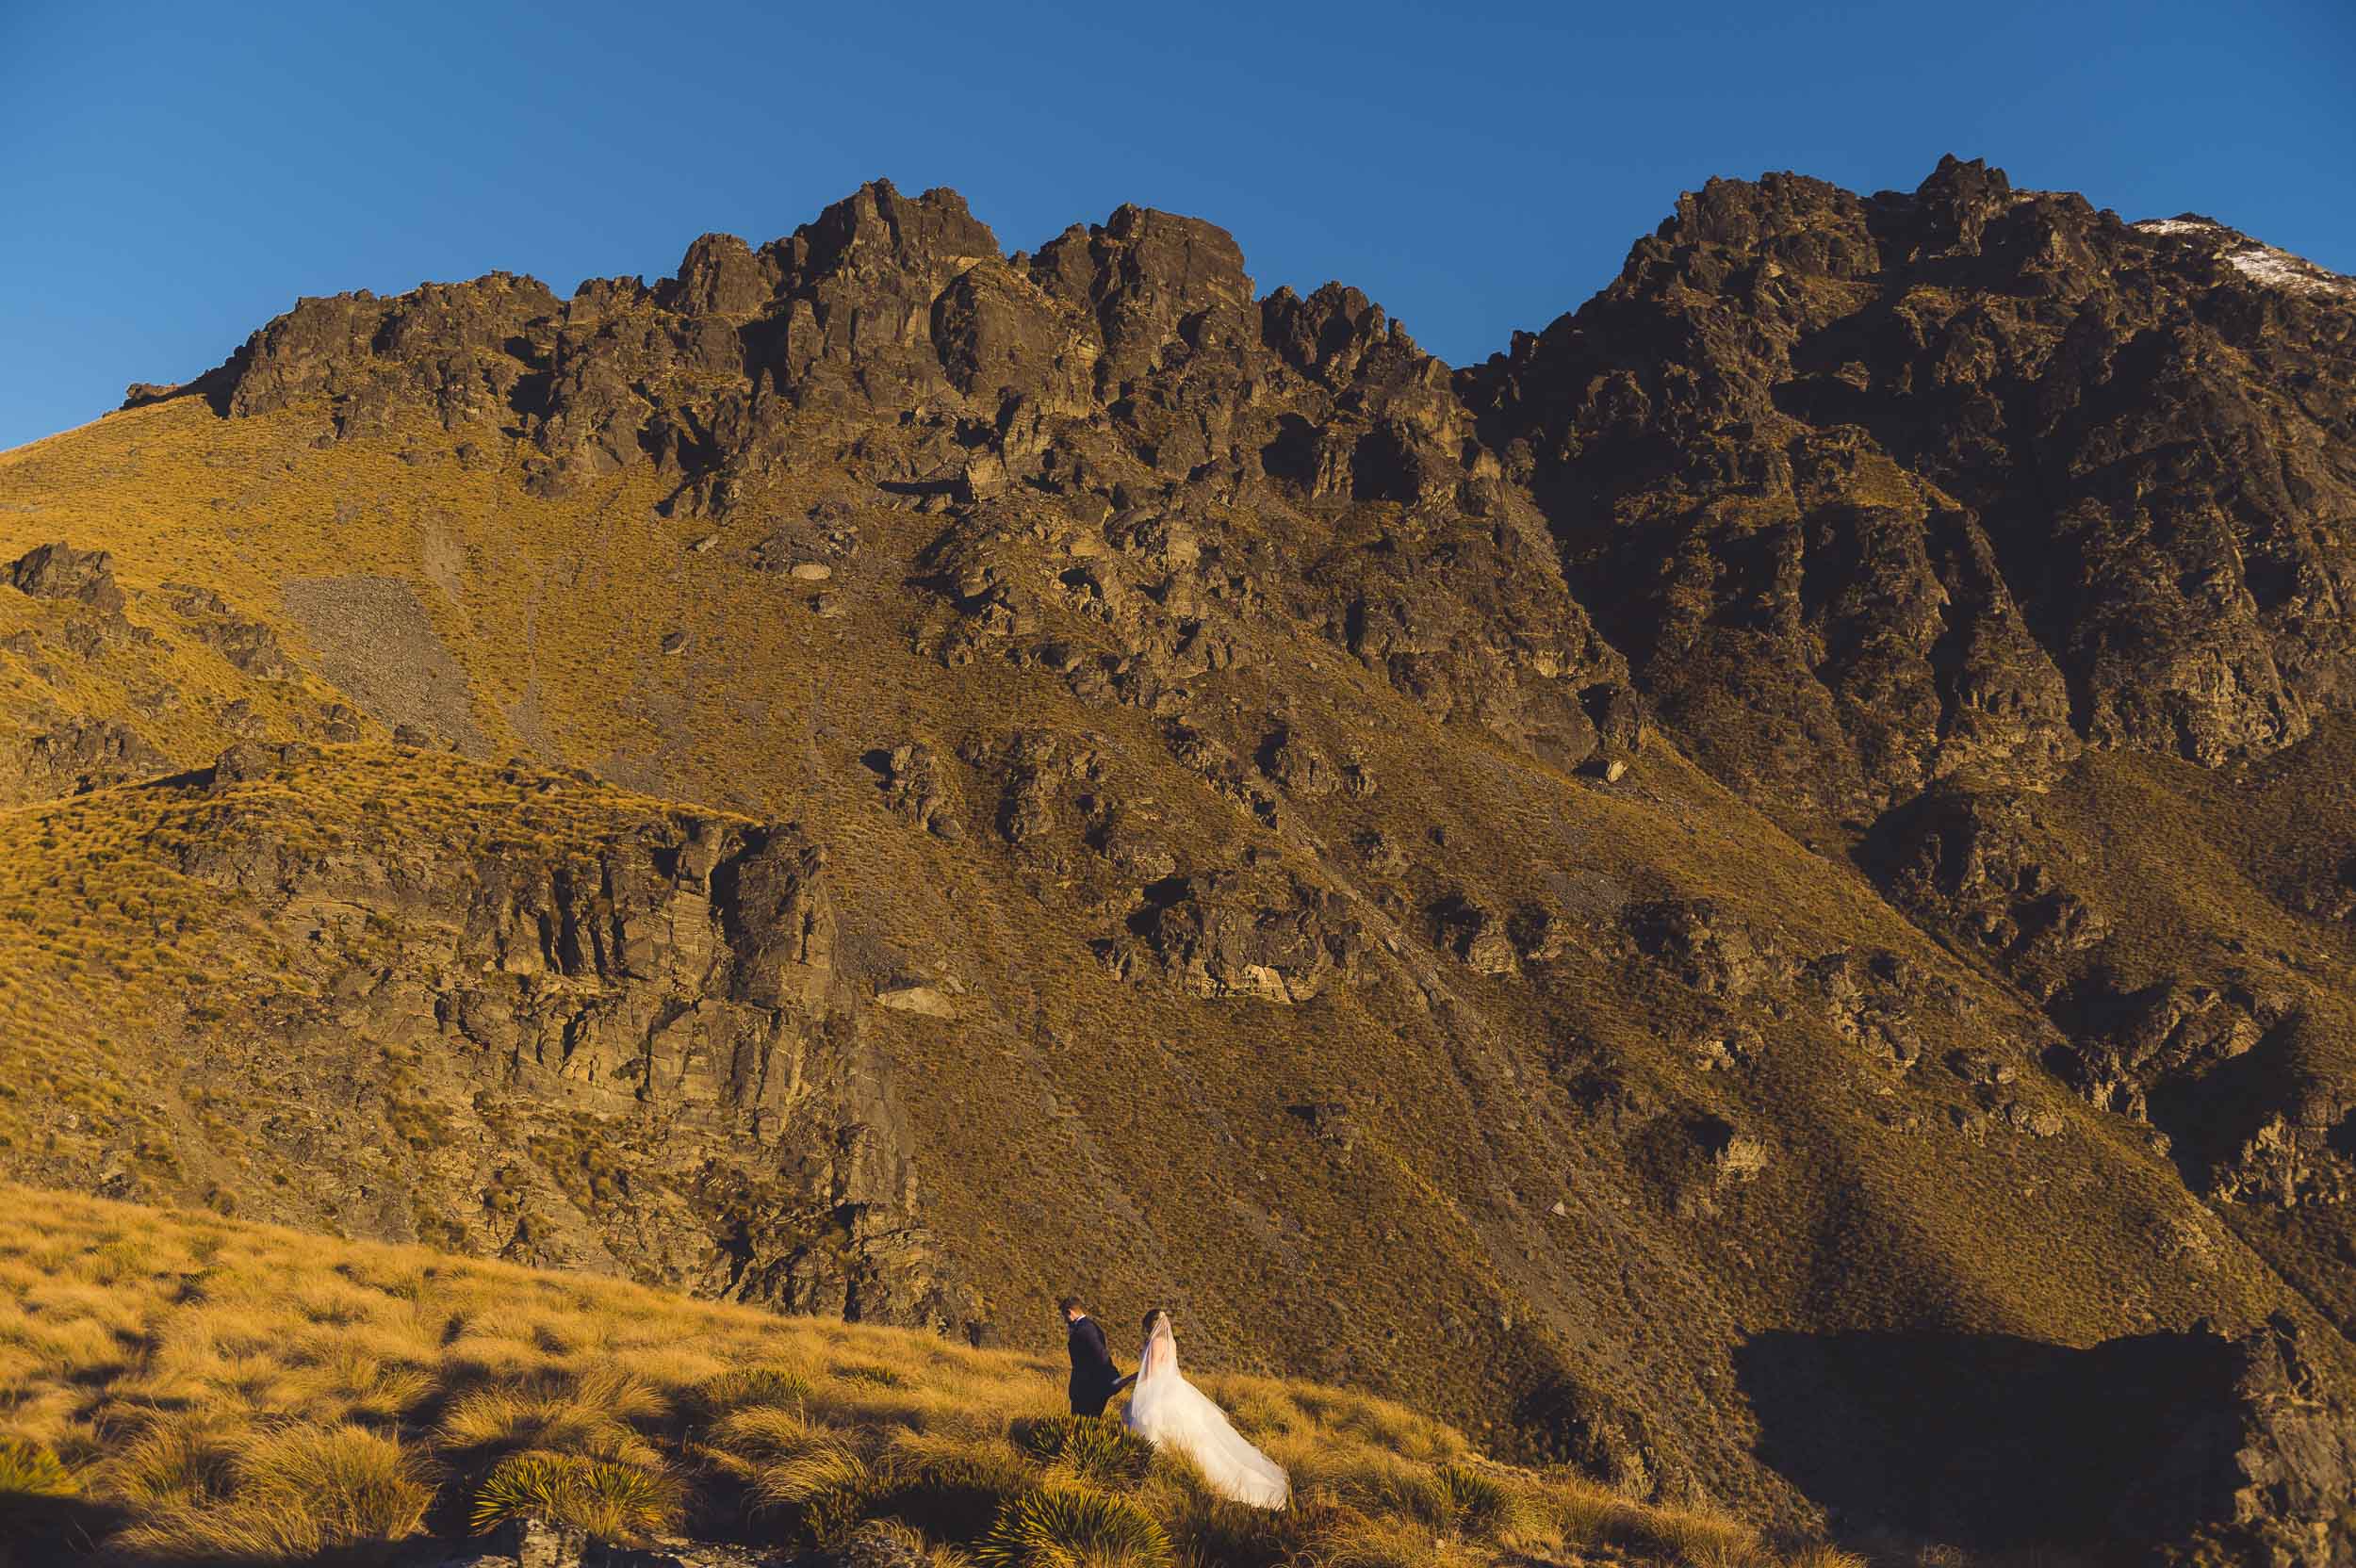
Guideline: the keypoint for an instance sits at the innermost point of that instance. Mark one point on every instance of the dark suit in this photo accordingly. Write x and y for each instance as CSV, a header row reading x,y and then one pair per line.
x,y
1093,1375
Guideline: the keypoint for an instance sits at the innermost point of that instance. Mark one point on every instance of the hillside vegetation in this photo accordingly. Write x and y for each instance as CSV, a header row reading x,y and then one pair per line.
x,y
185,1388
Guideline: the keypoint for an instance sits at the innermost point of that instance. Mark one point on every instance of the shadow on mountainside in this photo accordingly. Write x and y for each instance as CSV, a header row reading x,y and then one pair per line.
x,y
1994,1441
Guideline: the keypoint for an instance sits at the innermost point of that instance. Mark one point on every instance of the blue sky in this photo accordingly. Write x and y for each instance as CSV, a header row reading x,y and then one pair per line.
x,y
171,176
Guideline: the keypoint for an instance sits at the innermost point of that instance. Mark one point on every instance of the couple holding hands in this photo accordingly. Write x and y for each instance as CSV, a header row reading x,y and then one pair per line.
x,y
1167,1410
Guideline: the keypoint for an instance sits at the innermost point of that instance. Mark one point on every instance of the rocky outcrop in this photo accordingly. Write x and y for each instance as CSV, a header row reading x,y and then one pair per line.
x,y
62,572
1134,346
1970,864
638,1054
74,757
1220,935
1937,486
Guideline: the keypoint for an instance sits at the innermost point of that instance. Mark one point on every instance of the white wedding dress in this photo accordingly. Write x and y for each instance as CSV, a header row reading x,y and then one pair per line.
x,y
1172,1413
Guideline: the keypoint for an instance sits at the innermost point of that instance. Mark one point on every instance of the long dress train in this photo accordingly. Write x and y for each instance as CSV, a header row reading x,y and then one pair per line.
x,y
1172,1413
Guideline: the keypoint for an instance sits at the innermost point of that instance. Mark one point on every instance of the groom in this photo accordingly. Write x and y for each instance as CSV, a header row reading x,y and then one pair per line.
x,y
1094,1378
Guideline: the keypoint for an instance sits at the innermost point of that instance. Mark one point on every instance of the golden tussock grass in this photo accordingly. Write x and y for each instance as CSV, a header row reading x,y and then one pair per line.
x,y
240,1392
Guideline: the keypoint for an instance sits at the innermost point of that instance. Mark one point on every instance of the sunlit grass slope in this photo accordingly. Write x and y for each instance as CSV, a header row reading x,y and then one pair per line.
x,y
193,1387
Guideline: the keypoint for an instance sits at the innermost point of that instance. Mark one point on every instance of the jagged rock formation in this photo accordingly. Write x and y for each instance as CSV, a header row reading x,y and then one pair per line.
x,y
1715,834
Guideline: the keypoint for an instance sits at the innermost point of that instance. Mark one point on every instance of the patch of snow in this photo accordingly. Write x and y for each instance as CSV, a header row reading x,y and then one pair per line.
x,y
2275,269
2261,264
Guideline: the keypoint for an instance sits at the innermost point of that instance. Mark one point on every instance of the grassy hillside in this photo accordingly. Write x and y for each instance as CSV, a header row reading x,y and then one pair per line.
x,y
185,1388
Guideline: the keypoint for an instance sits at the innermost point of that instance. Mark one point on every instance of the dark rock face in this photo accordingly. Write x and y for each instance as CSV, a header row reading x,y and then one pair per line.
x,y
75,757
1917,487
445,345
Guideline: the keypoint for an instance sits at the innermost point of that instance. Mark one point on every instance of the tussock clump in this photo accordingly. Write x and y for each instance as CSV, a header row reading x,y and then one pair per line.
x,y
744,1440
588,1413
174,1467
830,1494
1063,1525
607,1500
828,1467
1093,1449
871,1373
272,1496
31,1470
1455,1501
1206,1529
1391,1544
748,1388
1584,1512
952,1490
1700,1536
1825,1557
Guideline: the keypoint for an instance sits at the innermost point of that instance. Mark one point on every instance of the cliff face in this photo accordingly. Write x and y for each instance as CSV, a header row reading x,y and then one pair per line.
x,y
1777,835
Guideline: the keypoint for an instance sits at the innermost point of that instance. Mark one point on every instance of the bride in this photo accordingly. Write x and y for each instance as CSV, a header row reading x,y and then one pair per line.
x,y
1173,1413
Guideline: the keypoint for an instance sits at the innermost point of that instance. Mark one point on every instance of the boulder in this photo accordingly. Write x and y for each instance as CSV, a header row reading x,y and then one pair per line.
x,y
57,571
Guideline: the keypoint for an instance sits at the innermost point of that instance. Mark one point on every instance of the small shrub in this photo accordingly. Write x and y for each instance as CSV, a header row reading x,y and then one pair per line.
x,y
609,1501
29,1470
1092,1447
1071,1526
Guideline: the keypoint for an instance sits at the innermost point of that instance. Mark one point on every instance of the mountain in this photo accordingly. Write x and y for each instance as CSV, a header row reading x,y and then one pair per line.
x,y
1751,895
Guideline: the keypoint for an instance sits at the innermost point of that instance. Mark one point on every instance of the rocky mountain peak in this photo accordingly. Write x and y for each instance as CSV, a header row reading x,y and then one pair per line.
x,y
876,231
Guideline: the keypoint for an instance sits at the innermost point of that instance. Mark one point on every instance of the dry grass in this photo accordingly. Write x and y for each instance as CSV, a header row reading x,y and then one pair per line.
x,y
244,1391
